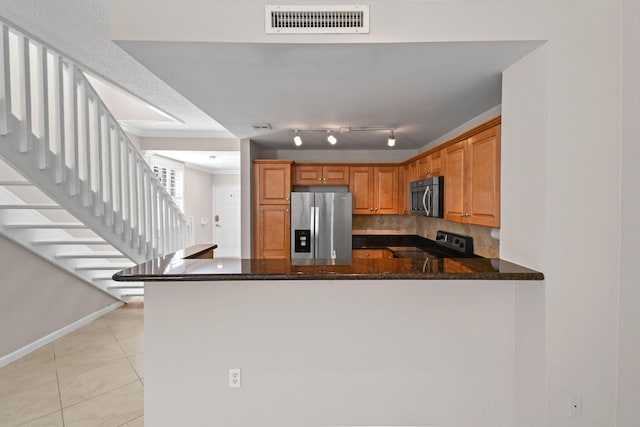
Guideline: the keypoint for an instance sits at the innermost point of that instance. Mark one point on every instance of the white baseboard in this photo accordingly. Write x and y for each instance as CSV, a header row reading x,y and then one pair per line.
x,y
5,360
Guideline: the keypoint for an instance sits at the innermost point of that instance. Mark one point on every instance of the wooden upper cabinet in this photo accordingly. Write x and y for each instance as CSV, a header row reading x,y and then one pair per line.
x,y
454,182
335,175
434,162
472,179
375,189
321,175
361,186
385,185
273,182
307,175
423,167
403,190
413,171
484,178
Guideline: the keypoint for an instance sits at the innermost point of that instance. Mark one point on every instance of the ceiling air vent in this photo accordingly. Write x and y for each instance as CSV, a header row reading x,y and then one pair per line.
x,y
317,19
261,126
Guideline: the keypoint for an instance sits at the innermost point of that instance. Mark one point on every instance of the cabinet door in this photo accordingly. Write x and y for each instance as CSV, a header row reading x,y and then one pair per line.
x,y
273,232
423,167
454,182
385,186
335,175
413,171
369,253
483,192
308,175
435,164
274,183
361,185
403,190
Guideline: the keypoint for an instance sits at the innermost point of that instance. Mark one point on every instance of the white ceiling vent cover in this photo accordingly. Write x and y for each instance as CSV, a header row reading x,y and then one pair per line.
x,y
290,19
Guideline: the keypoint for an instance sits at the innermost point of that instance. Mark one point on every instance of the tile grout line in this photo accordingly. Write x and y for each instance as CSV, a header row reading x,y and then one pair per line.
x,y
102,394
53,348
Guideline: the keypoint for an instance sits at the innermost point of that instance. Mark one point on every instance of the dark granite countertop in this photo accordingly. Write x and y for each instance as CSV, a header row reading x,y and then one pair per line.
x,y
179,267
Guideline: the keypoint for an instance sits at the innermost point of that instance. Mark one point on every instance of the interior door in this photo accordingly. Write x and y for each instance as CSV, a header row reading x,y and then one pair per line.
x,y
226,221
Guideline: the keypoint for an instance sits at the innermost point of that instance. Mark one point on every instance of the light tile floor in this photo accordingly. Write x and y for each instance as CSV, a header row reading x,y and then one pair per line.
x,y
91,377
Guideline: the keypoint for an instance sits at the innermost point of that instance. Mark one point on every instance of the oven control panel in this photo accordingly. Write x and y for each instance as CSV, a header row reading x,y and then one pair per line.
x,y
457,242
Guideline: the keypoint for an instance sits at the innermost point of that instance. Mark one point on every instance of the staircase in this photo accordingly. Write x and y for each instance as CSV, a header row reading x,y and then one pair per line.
x,y
73,188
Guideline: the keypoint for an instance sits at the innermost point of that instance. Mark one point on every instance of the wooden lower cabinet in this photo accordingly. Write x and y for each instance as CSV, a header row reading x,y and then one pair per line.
x,y
372,253
272,239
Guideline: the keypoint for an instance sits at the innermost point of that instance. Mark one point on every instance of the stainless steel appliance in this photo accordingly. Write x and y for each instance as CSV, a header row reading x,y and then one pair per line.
x,y
321,225
426,197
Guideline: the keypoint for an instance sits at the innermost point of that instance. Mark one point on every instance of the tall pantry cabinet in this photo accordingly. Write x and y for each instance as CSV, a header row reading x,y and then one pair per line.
x,y
272,203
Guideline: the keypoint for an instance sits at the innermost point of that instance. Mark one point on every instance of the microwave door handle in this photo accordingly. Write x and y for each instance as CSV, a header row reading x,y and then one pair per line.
x,y
424,201
430,199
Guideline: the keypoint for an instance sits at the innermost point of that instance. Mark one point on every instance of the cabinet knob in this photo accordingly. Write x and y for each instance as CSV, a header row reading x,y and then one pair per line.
x,y
286,198
371,209
319,179
287,210
376,209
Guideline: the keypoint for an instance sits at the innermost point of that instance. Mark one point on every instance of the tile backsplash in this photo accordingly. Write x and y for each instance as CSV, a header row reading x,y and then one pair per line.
x,y
384,224
484,245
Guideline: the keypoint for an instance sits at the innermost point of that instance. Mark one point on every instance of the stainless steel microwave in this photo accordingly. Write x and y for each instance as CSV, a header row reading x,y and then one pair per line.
x,y
426,197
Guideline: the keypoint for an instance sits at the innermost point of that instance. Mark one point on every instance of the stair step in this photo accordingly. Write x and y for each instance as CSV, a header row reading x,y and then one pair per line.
x,y
12,183
101,279
27,206
103,267
61,226
71,242
132,285
105,255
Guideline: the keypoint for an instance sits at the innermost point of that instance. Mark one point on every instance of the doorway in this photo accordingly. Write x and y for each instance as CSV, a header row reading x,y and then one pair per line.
x,y
226,220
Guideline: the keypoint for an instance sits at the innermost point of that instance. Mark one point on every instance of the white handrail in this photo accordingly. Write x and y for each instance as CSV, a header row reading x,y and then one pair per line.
x,y
79,138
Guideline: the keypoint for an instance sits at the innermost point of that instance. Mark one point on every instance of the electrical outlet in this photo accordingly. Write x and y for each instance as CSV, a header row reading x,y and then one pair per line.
x,y
575,406
234,378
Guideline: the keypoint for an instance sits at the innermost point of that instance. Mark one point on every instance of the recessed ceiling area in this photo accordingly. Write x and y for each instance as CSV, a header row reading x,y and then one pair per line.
x,y
422,89
214,162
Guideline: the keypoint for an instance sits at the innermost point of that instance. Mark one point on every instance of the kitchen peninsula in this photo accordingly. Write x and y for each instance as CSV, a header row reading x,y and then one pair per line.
x,y
370,342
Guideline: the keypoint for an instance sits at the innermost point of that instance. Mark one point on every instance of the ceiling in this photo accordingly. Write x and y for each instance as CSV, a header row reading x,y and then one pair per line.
x,y
219,89
423,89
213,162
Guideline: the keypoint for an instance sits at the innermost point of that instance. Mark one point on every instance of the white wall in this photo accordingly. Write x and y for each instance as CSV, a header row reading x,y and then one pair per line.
x,y
581,251
523,181
198,203
629,369
225,179
38,298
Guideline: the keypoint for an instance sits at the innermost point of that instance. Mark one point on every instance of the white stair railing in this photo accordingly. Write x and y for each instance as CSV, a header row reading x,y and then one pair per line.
x,y
58,133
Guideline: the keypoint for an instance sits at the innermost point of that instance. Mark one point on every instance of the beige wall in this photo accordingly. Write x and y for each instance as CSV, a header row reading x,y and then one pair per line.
x,y
198,203
337,353
38,298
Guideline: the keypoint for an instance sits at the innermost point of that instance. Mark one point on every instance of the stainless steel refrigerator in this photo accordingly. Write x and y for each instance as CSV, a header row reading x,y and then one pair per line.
x,y
321,226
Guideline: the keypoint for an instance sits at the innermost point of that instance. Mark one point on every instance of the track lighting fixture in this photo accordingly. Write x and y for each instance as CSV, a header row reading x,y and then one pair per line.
x,y
297,140
331,138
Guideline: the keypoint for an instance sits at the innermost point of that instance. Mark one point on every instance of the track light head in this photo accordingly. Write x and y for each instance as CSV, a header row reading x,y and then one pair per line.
x,y
391,142
332,139
297,140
